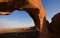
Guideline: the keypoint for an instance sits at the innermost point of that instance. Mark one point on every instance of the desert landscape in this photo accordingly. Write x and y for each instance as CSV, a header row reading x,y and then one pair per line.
x,y
18,33
50,30
42,29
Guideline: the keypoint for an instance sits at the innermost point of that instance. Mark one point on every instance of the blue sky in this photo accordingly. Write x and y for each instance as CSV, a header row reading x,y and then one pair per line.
x,y
52,7
18,19
21,19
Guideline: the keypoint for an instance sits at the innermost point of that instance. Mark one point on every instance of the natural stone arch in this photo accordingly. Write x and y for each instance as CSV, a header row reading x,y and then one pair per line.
x,y
33,7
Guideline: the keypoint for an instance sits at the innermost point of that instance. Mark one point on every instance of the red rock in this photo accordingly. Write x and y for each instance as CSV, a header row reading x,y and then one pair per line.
x,y
55,26
34,8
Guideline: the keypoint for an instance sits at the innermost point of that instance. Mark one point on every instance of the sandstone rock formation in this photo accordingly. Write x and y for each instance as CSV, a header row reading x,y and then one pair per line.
x,y
34,9
45,30
55,26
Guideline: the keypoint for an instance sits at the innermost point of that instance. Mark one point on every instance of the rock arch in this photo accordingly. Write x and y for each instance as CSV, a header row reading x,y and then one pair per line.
x,y
33,7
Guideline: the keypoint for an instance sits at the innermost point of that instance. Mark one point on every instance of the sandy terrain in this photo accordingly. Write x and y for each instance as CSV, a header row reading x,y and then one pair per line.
x,y
8,30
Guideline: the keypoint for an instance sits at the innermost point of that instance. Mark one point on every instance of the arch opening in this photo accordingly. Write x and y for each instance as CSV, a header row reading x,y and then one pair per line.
x,y
18,19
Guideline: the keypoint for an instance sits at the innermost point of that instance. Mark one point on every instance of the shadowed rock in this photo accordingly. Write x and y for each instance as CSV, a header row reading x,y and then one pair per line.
x,y
55,26
45,30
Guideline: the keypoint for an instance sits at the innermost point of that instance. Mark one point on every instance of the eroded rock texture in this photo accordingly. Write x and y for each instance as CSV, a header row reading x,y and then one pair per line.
x,y
34,9
55,26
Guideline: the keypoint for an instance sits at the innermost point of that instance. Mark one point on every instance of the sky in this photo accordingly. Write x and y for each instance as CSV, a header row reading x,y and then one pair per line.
x,y
52,7
21,19
18,19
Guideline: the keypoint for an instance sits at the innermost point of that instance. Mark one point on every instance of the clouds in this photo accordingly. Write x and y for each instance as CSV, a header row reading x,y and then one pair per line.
x,y
13,24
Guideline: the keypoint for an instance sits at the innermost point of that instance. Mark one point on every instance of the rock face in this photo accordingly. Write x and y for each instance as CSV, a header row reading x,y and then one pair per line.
x,y
55,26
45,30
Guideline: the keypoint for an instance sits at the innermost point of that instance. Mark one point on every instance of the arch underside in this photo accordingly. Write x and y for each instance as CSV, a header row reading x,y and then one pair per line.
x,y
7,8
33,12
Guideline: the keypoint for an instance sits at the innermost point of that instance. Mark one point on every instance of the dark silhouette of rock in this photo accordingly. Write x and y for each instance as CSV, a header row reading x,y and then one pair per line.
x,y
55,26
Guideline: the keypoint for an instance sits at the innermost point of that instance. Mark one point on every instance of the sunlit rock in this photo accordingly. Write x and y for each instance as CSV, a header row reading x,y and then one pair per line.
x,y
34,8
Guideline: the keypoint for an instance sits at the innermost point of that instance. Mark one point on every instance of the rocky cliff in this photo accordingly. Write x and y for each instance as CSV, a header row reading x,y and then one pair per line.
x,y
55,26
45,30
